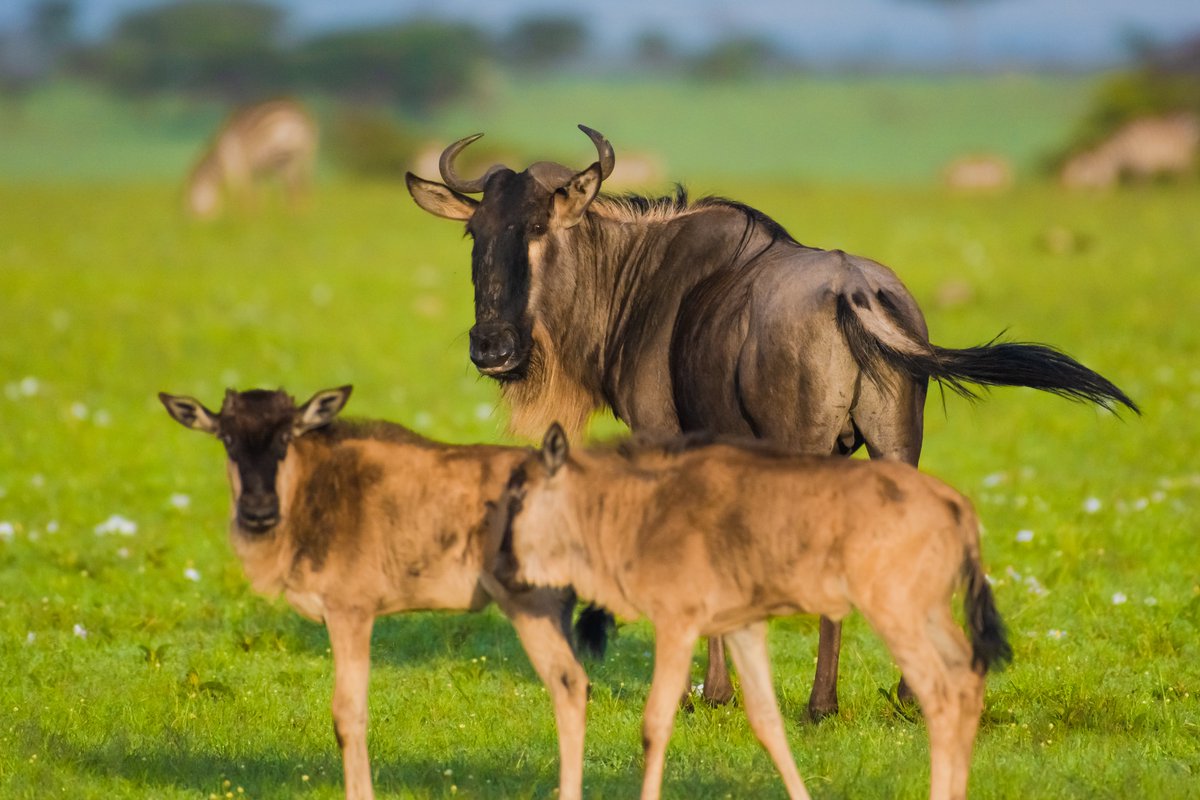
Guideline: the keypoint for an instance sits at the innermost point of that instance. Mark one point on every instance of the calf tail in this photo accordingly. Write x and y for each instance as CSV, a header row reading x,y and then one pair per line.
x,y
879,334
591,630
989,639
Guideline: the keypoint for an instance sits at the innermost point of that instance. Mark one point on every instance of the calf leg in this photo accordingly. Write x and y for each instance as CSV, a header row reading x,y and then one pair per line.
x,y
672,659
350,640
538,618
749,648
936,660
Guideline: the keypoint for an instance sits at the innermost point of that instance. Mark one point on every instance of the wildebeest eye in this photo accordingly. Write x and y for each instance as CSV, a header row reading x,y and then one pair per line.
x,y
537,228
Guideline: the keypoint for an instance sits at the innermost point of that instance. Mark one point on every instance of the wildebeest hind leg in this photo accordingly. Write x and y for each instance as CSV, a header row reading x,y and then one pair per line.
x,y
718,689
892,424
823,702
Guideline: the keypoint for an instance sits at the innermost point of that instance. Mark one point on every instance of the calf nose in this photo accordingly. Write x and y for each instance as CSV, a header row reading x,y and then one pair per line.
x,y
493,347
258,513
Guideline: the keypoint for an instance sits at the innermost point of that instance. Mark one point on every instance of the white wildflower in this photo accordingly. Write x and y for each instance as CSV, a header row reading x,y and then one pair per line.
x,y
1140,504
191,574
6,531
1092,505
30,386
102,418
116,524
180,500
79,411
1118,598
1055,633
80,631
1151,601
995,479
483,411
37,481
30,637
123,552
52,526
1025,535
423,420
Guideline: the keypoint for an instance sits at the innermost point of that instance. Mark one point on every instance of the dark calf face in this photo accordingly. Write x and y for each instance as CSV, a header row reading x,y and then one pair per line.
x,y
511,227
257,428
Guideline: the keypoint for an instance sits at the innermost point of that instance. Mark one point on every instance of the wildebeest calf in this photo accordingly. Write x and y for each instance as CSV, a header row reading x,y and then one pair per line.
x,y
351,520
713,540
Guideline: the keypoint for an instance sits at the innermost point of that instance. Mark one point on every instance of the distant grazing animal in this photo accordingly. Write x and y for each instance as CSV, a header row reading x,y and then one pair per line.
x,y
277,139
1140,150
979,172
355,519
714,540
705,316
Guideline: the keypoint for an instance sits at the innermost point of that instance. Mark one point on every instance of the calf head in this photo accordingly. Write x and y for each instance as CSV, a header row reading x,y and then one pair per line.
x,y
528,521
257,428
513,226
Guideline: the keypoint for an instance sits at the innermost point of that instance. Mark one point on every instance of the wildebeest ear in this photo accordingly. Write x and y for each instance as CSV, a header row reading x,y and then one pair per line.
x,y
320,409
572,200
439,199
554,448
189,413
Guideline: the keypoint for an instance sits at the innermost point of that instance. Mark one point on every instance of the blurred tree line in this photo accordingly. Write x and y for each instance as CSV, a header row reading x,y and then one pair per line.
x,y
239,50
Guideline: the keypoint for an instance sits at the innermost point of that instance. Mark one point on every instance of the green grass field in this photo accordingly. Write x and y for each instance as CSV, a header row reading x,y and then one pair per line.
x,y
137,664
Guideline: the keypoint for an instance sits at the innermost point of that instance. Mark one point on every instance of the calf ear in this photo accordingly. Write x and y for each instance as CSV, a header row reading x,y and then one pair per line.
x,y
189,413
554,448
572,200
440,200
320,409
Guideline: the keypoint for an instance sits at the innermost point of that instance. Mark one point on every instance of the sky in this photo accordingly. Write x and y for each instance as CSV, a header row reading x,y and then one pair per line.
x,y
1068,33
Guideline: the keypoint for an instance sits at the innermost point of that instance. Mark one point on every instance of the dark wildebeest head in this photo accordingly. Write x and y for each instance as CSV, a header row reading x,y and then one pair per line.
x,y
257,428
511,227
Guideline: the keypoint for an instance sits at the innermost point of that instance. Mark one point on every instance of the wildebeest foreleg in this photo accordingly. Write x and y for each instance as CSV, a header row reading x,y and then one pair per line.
x,y
672,660
350,640
718,689
749,648
540,628
823,701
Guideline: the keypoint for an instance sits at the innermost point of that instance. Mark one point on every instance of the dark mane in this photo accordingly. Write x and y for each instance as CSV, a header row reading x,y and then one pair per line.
x,y
670,204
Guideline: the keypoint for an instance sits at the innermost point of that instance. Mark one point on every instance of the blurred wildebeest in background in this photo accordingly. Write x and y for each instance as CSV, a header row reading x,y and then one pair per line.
x,y
1143,149
978,172
706,316
272,140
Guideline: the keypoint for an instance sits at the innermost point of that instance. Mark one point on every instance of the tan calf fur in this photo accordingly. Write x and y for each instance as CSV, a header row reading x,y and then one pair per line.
x,y
351,520
713,540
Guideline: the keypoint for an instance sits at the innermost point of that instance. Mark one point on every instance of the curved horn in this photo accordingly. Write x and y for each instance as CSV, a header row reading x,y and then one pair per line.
x,y
452,179
607,157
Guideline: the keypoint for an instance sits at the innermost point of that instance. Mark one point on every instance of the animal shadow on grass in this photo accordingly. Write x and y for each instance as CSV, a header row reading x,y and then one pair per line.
x,y
510,774
398,640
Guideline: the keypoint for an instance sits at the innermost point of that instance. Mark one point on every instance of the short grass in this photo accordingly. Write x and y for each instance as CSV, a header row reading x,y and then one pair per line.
x,y
138,664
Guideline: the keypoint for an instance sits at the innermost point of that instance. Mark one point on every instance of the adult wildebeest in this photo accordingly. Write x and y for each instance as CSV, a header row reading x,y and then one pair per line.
x,y
355,519
705,316
713,540
276,139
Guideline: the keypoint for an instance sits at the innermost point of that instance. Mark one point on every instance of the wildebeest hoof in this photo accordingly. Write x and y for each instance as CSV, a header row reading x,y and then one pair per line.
x,y
718,695
820,709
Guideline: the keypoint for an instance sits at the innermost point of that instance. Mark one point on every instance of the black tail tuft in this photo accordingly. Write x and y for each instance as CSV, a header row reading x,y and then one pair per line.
x,y
990,649
591,631
996,363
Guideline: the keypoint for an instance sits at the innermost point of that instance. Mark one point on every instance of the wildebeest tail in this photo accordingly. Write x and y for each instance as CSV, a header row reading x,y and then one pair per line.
x,y
879,335
989,639
591,630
